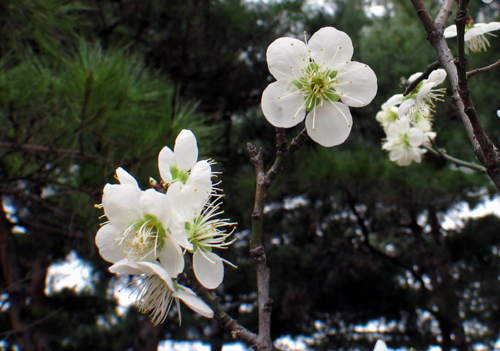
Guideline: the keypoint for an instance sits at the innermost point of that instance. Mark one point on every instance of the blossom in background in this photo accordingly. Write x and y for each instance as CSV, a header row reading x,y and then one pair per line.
x,y
403,142
474,37
380,346
421,99
317,78
387,116
137,225
182,165
197,218
157,291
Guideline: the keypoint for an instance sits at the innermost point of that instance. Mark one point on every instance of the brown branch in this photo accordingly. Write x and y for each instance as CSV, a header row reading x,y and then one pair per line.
x,y
483,69
413,84
76,154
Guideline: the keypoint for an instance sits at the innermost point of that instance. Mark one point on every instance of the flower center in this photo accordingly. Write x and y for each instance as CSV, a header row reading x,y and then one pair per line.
x,y
317,85
147,236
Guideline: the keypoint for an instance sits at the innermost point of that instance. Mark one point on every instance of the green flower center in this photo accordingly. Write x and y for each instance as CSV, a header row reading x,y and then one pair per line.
x,y
148,235
317,86
178,175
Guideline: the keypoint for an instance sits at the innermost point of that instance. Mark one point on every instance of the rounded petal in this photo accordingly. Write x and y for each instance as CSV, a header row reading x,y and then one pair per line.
x,y
178,232
208,268
437,77
186,201
286,57
126,267
201,178
152,268
393,101
450,31
120,203
330,47
414,76
330,124
156,204
186,150
481,28
356,84
125,177
415,137
405,107
283,105
194,302
171,258
166,158
108,240
423,93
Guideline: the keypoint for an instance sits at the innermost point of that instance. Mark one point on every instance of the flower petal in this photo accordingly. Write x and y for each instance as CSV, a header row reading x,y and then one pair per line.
x,y
380,346
171,257
283,105
393,101
208,268
186,150
126,267
108,239
330,47
437,77
156,204
405,107
450,31
330,124
194,302
152,268
286,57
120,203
125,177
201,178
166,158
356,84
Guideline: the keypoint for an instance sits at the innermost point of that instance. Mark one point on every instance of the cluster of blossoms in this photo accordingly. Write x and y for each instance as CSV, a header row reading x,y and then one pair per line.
x,y
149,232
407,119
474,37
317,78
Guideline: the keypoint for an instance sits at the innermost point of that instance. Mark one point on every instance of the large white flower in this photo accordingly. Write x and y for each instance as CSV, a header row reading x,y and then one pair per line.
x,y
318,78
403,142
157,291
198,220
421,99
182,164
475,39
137,227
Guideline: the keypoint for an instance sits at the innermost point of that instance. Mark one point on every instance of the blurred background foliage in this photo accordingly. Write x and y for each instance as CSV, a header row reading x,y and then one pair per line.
x,y
353,240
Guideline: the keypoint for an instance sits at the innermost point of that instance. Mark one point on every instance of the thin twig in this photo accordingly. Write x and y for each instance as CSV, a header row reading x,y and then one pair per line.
x,y
442,153
483,70
413,84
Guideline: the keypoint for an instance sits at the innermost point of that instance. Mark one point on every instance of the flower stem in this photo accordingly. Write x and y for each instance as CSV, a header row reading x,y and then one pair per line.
x,y
442,153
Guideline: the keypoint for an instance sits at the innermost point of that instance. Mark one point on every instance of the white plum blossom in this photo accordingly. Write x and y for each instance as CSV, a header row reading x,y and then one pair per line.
x,y
403,142
319,79
420,100
137,226
474,37
387,116
182,164
158,290
198,219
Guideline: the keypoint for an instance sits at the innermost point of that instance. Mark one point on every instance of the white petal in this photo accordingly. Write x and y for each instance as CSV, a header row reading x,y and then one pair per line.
x,y
330,47
108,239
283,105
166,158
201,178
405,107
152,268
194,302
124,177
156,204
437,77
424,92
286,57
450,31
357,84
415,137
120,203
330,124
171,257
178,232
393,100
209,272
186,150
126,267
481,28
186,201
380,346
414,76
